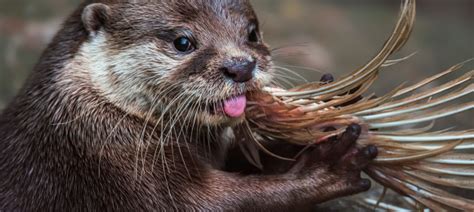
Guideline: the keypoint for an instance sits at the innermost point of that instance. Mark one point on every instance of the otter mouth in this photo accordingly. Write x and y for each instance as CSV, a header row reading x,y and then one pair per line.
x,y
232,107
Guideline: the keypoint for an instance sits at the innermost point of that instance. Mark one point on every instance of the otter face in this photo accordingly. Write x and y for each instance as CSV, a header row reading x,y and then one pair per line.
x,y
193,59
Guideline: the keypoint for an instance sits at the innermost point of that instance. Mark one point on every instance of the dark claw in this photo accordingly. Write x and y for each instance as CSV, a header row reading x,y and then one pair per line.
x,y
354,130
327,78
371,152
365,184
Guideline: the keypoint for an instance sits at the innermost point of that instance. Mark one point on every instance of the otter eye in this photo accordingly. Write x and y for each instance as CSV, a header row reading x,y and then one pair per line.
x,y
183,44
253,36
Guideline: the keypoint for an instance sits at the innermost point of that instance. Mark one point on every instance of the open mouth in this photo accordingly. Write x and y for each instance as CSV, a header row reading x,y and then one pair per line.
x,y
232,107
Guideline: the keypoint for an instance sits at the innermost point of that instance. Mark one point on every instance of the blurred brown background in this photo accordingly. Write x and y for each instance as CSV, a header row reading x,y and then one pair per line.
x,y
333,36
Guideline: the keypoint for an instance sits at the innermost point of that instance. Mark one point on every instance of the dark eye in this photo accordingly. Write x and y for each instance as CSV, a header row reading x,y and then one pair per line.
x,y
183,44
253,36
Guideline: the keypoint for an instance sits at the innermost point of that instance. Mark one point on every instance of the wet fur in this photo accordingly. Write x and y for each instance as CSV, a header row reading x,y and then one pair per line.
x,y
95,127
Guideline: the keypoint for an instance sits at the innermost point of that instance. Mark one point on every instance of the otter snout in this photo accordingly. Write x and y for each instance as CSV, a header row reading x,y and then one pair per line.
x,y
239,70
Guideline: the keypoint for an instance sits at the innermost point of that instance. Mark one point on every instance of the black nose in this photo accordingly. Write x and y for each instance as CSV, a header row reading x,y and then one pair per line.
x,y
239,69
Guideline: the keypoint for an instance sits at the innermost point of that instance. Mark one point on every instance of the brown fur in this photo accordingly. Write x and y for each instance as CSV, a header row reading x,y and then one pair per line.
x,y
66,145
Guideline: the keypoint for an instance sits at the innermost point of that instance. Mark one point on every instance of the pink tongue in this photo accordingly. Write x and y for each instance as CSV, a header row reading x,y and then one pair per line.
x,y
235,107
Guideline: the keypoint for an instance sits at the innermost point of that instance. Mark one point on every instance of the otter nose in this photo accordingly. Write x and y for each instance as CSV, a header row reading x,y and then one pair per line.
x,y
239,69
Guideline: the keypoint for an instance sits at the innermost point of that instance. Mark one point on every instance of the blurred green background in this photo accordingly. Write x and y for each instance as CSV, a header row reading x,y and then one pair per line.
x,y
333,36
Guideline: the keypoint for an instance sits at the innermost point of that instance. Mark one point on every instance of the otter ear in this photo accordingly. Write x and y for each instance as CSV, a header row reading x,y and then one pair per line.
x,y
95,16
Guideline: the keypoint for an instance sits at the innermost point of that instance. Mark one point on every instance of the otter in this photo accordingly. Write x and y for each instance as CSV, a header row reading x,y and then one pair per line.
x,y
137,105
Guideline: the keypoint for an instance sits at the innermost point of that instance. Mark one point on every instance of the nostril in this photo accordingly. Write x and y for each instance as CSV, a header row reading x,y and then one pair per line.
x,y
228,73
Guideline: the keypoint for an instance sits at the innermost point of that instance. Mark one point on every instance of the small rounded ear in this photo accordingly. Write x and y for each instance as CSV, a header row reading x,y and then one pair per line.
x,y
95,16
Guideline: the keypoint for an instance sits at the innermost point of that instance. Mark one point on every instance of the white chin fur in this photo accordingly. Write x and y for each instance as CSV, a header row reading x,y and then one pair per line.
x,y
219,119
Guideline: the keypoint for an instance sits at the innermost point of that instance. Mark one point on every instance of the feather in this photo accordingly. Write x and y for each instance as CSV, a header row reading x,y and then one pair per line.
x,y
411,161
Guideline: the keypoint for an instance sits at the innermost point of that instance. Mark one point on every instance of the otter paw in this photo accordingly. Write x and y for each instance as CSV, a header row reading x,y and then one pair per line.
x,y
334,167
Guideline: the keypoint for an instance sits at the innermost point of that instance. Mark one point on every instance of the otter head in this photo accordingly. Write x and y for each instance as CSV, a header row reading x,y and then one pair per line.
x,y
180,59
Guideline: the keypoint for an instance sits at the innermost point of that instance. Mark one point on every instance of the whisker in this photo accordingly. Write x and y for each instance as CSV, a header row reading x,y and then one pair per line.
x,y
304,68
284,47
291,72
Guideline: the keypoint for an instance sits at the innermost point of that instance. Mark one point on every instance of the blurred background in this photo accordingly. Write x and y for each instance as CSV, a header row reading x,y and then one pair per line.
x,y
316,36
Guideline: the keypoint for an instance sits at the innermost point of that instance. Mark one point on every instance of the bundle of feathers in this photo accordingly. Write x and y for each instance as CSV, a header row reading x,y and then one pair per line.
x,y
413,161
